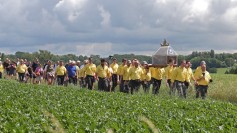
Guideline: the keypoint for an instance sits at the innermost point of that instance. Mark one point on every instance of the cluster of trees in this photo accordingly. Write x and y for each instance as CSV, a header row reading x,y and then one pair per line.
x,y
44,55
213,60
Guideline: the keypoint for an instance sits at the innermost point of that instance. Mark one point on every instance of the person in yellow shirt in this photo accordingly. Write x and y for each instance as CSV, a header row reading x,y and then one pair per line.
x,y
156,75
60,73
126,77
109,76
90,70
168,74
203,79
135,74
115,75
82,75
120,73
190,74
180,75
1,70
21,70
197,71
146,77
102,72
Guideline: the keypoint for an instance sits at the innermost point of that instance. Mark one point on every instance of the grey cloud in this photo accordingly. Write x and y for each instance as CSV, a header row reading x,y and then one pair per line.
x,y
134,26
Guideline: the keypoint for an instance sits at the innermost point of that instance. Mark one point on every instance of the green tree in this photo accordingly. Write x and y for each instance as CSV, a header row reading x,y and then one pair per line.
x,y
212,54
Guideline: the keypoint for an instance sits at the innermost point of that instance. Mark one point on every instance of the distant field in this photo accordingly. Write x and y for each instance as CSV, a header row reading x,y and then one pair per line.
x,y
221,70
34,108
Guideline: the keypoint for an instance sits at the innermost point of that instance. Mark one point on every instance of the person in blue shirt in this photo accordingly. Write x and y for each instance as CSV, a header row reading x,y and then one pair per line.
x,y
72,72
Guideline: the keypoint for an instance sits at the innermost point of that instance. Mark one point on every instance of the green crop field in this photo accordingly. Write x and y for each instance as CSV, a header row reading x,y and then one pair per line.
x,y
40,108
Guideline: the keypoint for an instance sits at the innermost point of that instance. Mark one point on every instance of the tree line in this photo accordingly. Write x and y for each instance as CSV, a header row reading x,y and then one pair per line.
x,y
213,60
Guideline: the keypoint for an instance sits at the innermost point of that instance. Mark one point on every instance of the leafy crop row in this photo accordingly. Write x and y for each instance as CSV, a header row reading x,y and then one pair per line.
x,y
23,107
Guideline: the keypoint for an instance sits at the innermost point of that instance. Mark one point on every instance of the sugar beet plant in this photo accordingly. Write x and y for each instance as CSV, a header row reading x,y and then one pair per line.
x,y
34,108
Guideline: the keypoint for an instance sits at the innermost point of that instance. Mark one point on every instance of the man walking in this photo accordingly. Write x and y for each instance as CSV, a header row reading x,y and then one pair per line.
x,y
90,70
203,79
179,77
114,66
102,72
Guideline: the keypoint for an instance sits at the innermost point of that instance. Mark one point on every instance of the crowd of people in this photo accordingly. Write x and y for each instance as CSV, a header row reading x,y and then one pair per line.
x,y
129,76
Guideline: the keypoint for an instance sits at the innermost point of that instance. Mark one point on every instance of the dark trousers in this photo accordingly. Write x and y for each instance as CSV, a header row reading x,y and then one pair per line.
x,y
135,85
126,86
103,84
60,79
114,81
156,86
21,76
181,88
90,81
203,90
121,86
146,86
0,75
172,90
73,80
82,82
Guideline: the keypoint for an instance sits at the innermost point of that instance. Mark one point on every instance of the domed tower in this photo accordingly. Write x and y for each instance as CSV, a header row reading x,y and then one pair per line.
x,y
163,54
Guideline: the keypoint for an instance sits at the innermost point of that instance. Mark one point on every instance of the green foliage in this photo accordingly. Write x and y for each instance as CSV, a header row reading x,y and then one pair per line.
x,y
212,70
23,107
232,70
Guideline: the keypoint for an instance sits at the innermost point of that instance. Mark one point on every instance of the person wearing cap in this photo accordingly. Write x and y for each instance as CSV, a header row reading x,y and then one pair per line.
x,y
168,74
90,70
180,75
115,75
60,73
203,79
72,72
135,74
102,72
156,77
120,73
146,77
21,70
126,77
197,71
1,70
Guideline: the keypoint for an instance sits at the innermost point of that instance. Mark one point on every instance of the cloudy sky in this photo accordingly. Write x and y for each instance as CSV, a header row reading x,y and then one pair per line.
x,y
105,27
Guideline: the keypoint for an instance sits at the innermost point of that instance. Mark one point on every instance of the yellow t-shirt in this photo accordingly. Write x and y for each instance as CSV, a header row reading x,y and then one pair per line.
x,y
197,71
203,81
126,72
21,68
135,73
82,72
120,69
169,71
1,68
114,67
190,74
90,69
148,76
180,74
77,70
157,73
61,70
102,72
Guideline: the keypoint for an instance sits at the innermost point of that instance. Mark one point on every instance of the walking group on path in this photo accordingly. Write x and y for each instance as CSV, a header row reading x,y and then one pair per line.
x,y
130,76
